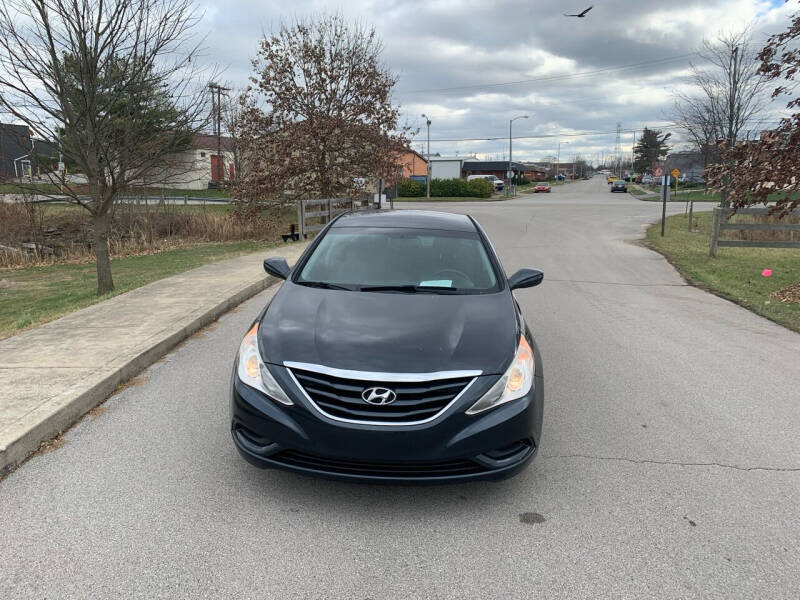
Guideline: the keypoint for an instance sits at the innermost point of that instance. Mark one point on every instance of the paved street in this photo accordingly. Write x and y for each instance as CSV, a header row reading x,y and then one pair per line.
x,y
669,466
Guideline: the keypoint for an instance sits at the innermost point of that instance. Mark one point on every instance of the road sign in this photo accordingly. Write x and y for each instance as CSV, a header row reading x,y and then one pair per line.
x,y
675,172
658,171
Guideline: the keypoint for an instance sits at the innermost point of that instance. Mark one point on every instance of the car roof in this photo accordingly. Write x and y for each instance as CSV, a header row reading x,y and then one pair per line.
x,y
412,219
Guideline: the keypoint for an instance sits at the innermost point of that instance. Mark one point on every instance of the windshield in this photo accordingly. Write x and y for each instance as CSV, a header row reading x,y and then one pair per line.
x,y
404,260
542,183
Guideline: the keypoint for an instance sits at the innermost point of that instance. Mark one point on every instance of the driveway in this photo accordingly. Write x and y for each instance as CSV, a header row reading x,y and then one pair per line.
x,y
669,466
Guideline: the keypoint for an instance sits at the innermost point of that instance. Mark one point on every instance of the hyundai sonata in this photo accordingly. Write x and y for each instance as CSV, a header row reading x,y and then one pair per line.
x,y
394,352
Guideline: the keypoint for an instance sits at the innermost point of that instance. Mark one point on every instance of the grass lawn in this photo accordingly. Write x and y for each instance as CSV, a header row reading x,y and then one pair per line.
x,y
35,295
49,188
694,195
736,272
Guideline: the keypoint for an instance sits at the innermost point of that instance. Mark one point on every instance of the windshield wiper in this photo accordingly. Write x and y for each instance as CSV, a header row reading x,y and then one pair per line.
x,y
324,285
408,289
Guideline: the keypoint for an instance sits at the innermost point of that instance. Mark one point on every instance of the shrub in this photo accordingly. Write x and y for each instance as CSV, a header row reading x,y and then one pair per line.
x,y
481,188
410,188
445,188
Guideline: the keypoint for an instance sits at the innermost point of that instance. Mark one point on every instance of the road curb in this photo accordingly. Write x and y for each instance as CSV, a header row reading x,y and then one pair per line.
x,y
20,448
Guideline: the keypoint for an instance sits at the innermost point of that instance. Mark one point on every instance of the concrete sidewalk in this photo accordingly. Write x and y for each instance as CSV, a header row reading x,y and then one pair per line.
x,y
52,375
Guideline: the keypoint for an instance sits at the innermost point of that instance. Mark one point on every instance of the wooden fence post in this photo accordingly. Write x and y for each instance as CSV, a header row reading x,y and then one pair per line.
x,y
330,210
715,231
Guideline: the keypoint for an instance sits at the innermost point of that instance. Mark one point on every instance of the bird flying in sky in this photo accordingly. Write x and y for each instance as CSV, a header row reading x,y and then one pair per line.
x,y
580,15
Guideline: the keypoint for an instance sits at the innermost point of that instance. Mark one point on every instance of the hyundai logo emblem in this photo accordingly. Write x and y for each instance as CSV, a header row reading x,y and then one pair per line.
x,y
379,396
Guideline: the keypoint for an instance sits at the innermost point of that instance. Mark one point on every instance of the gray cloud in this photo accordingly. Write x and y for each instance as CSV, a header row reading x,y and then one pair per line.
x,y
439,44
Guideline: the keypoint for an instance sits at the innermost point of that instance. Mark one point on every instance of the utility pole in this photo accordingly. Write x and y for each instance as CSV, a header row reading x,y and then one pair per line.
x,y
558,158
428,178
510,172
220,172
617,150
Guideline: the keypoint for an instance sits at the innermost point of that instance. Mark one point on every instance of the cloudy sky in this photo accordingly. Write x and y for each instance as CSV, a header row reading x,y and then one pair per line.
x,y
456,59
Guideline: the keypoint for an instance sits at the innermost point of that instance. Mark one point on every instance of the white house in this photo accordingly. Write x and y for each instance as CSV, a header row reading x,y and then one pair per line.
x,y
448,167
195,168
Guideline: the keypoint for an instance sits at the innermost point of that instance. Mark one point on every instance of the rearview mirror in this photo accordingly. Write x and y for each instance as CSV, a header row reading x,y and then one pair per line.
x,y
525,278
277,267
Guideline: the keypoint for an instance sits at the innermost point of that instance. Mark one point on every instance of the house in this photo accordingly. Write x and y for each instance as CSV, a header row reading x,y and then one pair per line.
x,y
197,167
497,168
448,167
534,172
413,164
15,148
23,156
690,163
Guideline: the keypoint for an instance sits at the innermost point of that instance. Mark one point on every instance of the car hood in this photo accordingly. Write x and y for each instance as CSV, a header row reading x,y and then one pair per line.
x,y
389,332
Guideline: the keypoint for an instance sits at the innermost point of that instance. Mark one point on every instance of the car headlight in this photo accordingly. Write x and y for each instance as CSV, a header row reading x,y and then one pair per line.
x,y
515,382
253,372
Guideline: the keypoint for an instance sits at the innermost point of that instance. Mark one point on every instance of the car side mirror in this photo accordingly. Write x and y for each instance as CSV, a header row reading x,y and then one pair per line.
x,y
525,278
277,267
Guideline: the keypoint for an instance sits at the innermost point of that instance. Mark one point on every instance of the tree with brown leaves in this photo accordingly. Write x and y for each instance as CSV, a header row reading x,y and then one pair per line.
x,y
319,115
758,171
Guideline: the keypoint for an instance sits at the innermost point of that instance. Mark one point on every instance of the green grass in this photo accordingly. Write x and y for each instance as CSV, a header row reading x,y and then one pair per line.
x,y
11,188
35,295
49,188
698,195
735,273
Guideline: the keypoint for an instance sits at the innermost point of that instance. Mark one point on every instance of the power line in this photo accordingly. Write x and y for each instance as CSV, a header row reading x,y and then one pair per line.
x,y
667,125
555,77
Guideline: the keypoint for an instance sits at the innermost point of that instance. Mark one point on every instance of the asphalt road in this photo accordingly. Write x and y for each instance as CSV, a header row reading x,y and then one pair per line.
x,y
669,468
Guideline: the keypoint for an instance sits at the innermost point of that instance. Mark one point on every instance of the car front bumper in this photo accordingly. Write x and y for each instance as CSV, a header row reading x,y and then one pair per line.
x,y
454,447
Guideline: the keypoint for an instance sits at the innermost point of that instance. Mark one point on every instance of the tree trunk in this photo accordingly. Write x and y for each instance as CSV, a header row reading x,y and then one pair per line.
x,y
105,283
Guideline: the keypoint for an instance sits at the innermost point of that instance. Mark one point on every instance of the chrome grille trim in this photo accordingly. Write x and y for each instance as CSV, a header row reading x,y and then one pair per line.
x,y
377,376
316,407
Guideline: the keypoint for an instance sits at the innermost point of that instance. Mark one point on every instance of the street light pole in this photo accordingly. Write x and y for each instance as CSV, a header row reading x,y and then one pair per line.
x,y
558,157
428,178
510,121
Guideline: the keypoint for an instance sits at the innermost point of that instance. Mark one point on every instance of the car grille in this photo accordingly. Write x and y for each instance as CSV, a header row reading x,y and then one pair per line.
x,y
351,467
416,401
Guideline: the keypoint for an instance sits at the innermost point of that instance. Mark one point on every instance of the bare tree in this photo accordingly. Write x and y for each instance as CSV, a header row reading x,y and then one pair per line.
x,y
111,85
728,97
765,170
231,115
320,113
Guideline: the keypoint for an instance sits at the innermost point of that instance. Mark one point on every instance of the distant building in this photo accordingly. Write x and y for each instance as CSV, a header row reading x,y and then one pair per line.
x,y
535,171
197,167
413,164
15,149
497,168
690,163
448,167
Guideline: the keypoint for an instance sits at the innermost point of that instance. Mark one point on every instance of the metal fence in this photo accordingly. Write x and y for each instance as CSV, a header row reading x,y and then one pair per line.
x,y
721,223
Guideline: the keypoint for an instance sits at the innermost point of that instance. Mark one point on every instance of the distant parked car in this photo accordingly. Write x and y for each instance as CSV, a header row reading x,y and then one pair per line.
x,y
647,180
493,179
542,186
619,186
611,179
639,179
